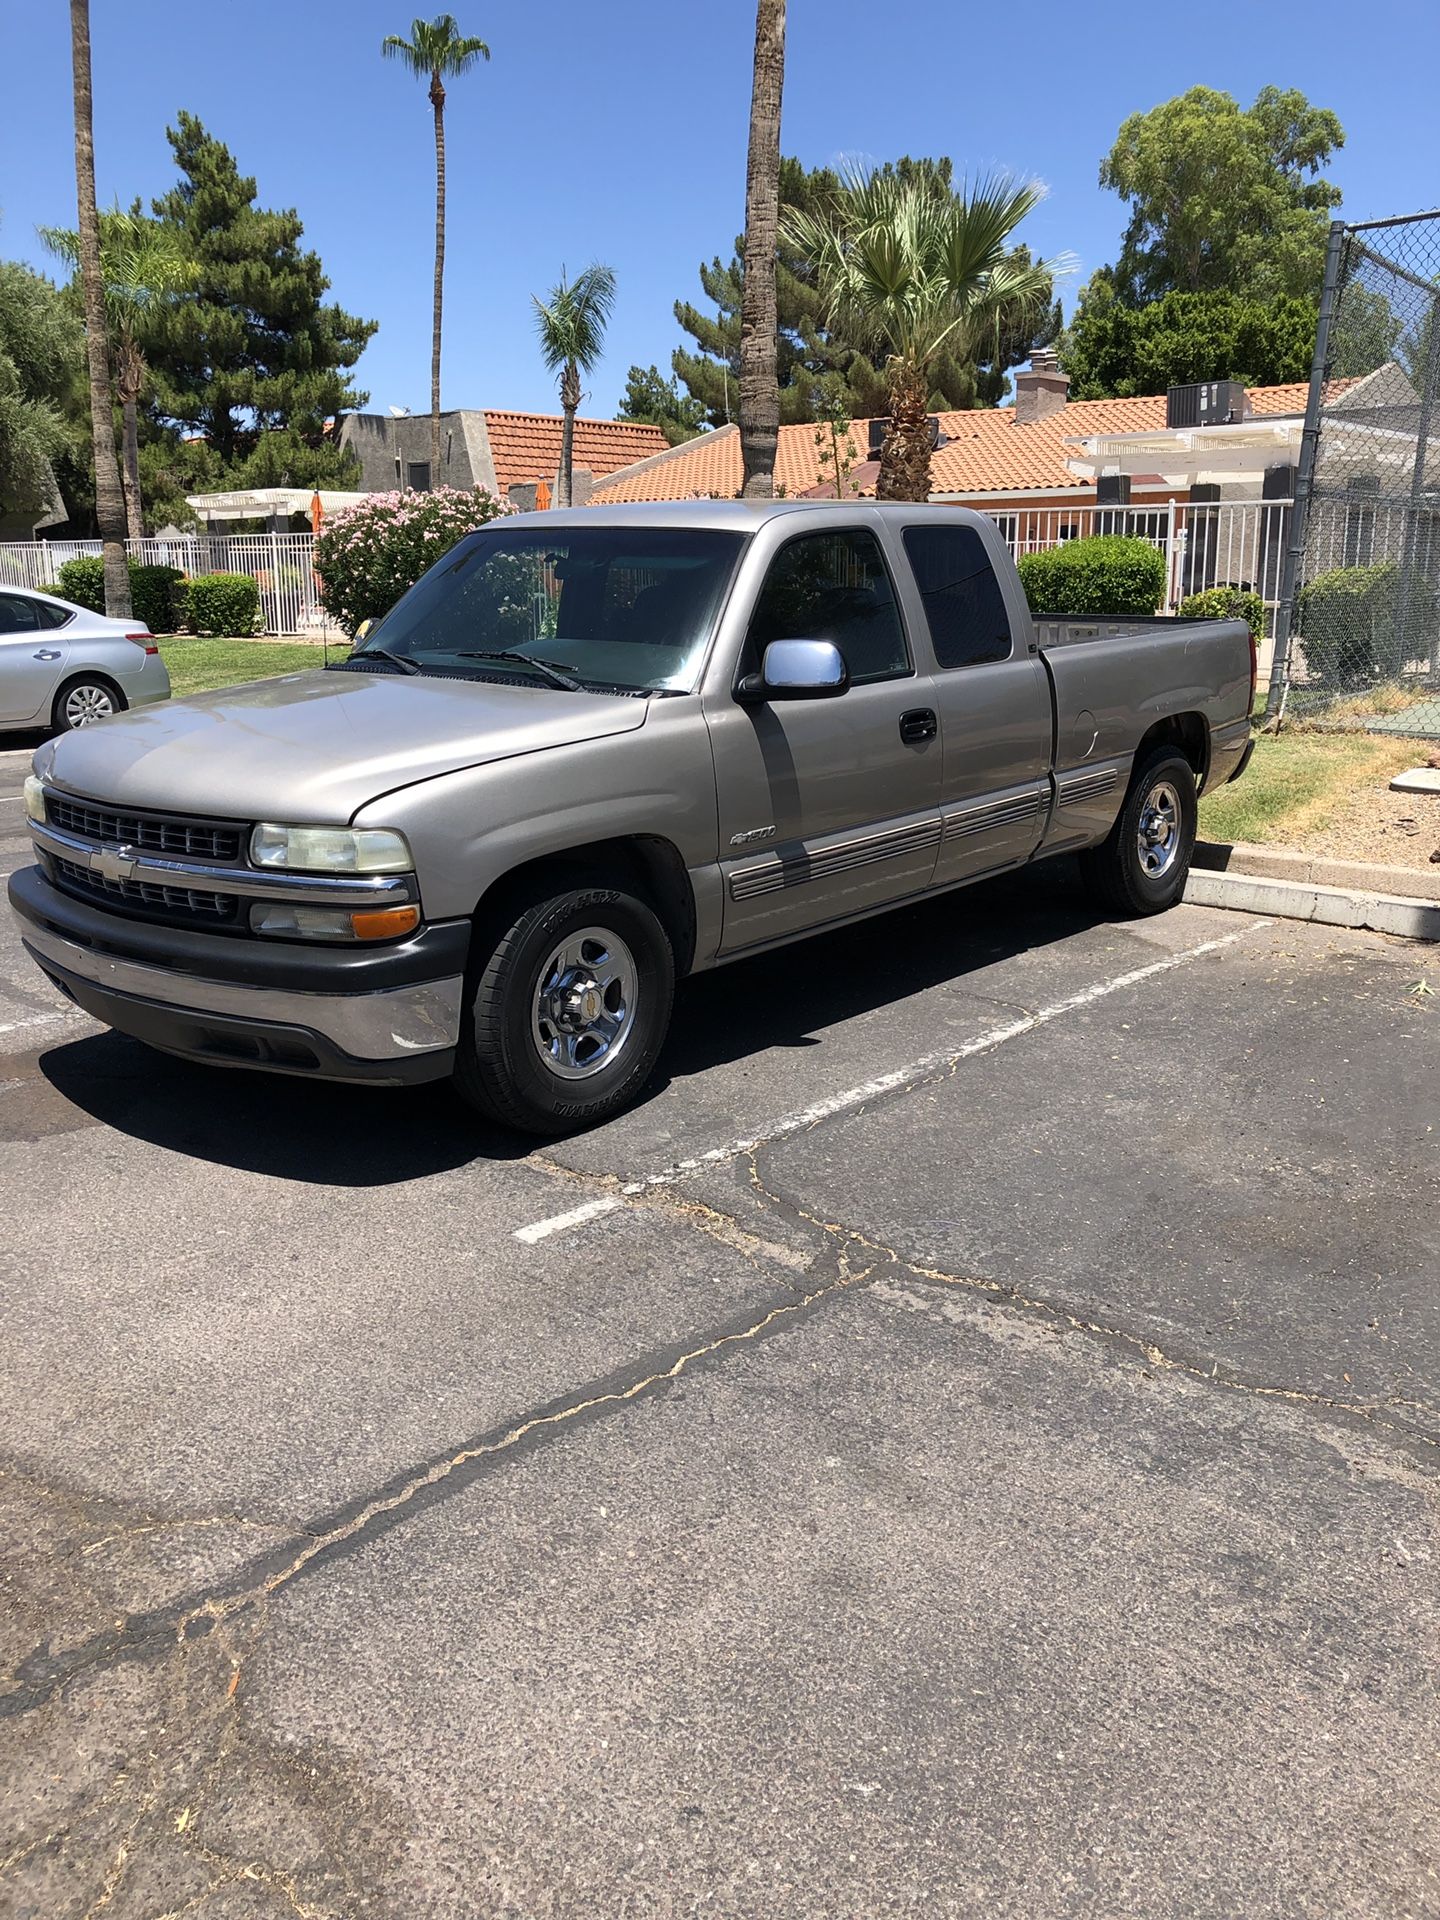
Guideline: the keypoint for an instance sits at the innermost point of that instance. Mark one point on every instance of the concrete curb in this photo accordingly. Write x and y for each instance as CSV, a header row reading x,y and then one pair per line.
x,y
1327,906
1317,870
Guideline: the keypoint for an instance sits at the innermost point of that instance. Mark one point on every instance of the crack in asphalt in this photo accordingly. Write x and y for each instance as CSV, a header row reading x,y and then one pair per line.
x,y
41,1675
1209,1373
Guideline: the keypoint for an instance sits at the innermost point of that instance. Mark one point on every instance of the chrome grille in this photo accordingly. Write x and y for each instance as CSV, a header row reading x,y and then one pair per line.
x,y
182,905
219,841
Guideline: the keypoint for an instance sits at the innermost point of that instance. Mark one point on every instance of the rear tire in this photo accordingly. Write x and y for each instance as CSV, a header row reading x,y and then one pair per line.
x,y
569,1010
81,702
1142,865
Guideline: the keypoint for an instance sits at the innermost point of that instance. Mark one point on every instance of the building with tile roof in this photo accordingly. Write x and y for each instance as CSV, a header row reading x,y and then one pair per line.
x,y
491,448
1034,452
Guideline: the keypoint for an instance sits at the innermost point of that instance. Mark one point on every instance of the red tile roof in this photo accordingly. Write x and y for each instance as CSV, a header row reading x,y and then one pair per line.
x,y
986,451
526,446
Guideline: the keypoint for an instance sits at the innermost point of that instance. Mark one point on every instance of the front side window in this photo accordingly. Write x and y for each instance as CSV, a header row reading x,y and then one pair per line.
x,y
615,608
964,607
832,586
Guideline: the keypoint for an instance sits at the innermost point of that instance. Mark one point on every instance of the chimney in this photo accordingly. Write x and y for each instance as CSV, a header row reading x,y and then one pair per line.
x,y
1042,390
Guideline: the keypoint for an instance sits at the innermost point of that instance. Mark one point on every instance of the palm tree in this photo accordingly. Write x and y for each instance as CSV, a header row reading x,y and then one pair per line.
x,y
143,266
759,386
571,323
909,268
109,500
437,51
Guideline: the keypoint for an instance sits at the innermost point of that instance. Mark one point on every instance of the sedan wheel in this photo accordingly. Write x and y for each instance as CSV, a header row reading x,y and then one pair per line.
x,y
84,702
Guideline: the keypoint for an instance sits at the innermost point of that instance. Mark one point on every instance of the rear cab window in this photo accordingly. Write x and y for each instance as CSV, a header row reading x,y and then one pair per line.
x,y
964,605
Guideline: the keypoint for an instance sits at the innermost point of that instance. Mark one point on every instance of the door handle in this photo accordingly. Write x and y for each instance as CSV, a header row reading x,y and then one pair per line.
x,y
918,724
48,653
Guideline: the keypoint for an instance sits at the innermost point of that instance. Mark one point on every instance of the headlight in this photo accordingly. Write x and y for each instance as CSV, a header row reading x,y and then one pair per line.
x,y
35,796
330,849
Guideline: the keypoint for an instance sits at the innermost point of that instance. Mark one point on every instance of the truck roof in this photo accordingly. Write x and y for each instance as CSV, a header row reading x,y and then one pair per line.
x,y
736,516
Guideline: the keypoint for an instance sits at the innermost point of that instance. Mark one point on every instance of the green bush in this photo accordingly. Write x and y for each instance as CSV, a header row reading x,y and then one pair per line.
x,y
223,603
1110,575
1042,576
155,596
154,591
83,581
1226,603
1348,621
369,554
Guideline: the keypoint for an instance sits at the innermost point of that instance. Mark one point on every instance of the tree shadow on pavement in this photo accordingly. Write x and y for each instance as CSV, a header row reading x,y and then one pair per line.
x,y
311,1130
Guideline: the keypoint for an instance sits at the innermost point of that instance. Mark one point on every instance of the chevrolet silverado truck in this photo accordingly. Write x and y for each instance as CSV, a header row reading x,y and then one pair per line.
x,y
589,753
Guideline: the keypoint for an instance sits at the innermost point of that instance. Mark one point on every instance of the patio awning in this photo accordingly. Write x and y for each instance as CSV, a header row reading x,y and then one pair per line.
x,y
1183,456
258,503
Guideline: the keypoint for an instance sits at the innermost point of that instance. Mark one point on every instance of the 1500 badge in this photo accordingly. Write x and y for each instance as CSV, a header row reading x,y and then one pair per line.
x,y
755,833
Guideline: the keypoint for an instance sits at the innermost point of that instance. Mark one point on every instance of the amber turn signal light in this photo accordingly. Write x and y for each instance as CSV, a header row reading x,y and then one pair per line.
x,y
384,923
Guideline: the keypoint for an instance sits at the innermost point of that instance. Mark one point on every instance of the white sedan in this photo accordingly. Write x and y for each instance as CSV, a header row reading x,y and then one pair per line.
x,y
62,666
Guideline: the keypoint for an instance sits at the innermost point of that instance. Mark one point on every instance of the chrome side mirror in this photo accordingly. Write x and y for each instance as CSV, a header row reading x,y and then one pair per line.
x,y
797,670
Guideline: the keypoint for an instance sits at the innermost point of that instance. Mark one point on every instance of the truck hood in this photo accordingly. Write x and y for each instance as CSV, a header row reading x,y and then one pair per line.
x,y
314,747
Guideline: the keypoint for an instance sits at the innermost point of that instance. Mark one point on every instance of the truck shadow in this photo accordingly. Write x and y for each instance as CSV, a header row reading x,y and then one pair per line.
x,y
295,1129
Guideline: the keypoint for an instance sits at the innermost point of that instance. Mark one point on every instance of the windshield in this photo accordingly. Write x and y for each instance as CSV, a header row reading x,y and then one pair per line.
x,y
628,608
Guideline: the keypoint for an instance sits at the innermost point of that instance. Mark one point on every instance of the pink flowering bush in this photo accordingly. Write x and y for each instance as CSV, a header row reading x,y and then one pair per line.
x,y
369,554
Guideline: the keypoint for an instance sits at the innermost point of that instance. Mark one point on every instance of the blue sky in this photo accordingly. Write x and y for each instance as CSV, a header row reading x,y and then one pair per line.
x,y
617,132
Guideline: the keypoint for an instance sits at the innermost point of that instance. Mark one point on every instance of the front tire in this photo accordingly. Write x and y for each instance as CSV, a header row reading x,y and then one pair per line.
x,y
80,703
1143,863
570,1009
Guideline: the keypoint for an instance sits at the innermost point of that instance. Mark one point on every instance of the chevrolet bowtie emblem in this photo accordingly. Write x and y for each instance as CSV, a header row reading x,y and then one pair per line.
x,y
113,863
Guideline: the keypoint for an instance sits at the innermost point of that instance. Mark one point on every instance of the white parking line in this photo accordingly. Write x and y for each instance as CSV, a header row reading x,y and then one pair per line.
x,y
542,1229
882,1083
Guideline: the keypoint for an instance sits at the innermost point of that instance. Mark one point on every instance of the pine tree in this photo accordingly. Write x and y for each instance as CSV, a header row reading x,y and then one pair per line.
x,y
254,361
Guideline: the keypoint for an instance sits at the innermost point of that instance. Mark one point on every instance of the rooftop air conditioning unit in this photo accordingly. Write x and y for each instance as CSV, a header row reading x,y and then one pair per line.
x,y
1210,403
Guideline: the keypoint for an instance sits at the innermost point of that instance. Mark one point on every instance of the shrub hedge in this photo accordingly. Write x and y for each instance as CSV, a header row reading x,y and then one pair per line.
x,y
1226,603
223,603
1349,623
155,595
1112,574
83,581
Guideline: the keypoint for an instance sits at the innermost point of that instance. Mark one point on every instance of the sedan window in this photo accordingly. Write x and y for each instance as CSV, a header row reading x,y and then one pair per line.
x,y
18,614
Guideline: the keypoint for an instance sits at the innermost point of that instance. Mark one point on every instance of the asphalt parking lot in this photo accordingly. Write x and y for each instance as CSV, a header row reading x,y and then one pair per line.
x,y
966,1445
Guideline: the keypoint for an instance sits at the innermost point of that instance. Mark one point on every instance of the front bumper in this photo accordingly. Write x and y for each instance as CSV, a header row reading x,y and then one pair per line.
x,y
387,1016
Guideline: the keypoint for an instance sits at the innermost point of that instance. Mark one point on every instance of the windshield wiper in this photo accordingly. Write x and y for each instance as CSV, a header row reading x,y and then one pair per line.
x,y
383,653
545,668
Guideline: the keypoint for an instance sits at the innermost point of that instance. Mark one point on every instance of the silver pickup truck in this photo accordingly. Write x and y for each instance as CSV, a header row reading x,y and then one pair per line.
x,y
589,753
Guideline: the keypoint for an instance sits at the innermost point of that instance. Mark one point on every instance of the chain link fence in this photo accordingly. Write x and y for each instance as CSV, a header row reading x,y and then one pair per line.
x,y
1358,628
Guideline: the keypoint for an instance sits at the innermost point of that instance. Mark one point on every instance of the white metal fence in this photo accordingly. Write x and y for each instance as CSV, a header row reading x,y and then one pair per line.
x,y
281,565
1222,543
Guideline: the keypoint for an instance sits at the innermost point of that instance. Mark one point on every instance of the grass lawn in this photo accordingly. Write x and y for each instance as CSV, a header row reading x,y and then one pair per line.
x,y
196,665
1299,786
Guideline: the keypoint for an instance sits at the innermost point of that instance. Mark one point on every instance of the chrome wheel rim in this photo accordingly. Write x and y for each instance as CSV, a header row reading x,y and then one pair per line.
x,y
1158,836
584,1006
86,704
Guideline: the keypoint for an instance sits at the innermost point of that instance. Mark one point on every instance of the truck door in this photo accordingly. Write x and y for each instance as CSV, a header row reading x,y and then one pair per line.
x,y
826,807
992,697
